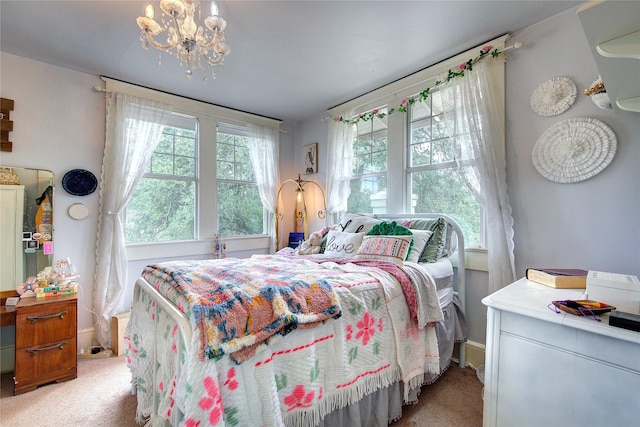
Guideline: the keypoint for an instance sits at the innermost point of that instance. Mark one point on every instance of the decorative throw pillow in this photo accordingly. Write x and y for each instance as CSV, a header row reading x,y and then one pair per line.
x,y
356,223
385,248
435,247
343,245
420,240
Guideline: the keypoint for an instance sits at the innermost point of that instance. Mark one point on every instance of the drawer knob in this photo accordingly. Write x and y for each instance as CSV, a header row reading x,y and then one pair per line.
x,y
53,347
34,319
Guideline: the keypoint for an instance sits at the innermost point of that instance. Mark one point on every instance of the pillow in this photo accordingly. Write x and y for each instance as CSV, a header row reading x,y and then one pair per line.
x,y
385,248
389,229
343,245
420,240
435,247
356,223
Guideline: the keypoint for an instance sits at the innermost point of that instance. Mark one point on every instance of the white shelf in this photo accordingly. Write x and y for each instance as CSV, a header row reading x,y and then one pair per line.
x,y
629,104
612,30
622,47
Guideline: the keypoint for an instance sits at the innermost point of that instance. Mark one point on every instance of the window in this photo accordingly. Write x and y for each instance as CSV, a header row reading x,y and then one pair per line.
x,y
369,182
240,210
425,169
163,205
436,176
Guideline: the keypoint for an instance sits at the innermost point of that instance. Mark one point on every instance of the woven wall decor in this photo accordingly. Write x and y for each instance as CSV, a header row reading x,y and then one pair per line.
x,y
554,96
574,150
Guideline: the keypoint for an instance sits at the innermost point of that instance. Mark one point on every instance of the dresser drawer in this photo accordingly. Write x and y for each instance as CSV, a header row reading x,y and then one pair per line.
x,y
45,359
47,323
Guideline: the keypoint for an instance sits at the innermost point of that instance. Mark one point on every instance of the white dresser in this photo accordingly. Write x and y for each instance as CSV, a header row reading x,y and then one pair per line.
x,y
548,369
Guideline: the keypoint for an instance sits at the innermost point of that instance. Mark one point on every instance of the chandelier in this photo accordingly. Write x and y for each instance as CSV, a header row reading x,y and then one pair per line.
x,y
193,45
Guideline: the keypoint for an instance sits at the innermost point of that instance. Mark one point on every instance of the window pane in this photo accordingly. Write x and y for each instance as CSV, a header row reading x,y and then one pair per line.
x,y
444,190
368,194
436,180
369,182
163,206
240,210
161,210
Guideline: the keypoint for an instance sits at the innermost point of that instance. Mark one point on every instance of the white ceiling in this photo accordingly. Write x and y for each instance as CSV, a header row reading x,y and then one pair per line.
x,y
289,59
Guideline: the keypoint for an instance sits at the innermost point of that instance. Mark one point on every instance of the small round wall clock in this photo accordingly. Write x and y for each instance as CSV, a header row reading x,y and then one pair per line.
x,y
574,150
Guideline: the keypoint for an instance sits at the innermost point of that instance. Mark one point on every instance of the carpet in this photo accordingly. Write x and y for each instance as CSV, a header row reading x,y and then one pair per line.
x,y
101,397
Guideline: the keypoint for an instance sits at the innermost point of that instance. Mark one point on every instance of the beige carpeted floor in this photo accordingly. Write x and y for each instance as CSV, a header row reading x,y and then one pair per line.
x,y
101,396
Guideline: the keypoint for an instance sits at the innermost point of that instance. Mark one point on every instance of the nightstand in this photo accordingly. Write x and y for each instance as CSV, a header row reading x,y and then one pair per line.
x,y
46,335
544,368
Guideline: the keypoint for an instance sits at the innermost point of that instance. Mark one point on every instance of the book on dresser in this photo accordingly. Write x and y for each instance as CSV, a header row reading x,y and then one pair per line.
x,y
562,278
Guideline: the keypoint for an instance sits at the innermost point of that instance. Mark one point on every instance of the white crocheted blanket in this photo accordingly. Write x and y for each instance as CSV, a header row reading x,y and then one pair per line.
x,y
295,379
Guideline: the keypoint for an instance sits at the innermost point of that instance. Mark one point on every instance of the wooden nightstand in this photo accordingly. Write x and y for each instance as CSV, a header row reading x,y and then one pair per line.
x,y
46,335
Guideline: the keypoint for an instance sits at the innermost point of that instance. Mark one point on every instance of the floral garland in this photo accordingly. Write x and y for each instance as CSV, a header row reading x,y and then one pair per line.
x,y
407,102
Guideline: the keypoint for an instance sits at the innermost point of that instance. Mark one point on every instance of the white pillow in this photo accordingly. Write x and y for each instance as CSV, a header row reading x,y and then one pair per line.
x,y
385,248
343,245
356,223
420,239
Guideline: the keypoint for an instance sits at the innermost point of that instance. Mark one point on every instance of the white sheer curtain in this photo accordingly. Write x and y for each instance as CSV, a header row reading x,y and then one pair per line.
x,y
475,111
134,127
339,165
264,153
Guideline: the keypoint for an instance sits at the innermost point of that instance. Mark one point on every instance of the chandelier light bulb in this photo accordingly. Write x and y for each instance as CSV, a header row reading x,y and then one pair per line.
x,y
214,8
149,12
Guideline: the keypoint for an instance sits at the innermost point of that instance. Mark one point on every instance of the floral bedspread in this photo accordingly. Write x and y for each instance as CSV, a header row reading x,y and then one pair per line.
x,y
238,304
294,380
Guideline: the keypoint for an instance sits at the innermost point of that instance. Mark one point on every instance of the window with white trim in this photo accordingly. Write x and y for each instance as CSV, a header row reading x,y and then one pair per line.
x,y
240,211
436,177
163,205
425,171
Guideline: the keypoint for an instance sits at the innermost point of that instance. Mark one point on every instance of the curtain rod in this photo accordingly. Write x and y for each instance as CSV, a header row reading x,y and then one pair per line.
x,y
99,89
516,45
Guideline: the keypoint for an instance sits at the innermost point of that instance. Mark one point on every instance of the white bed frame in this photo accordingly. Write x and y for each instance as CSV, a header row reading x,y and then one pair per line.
x,y
185,327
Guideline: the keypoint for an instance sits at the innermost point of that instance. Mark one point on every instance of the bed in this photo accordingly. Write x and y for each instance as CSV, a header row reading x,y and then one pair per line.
x,y
351,336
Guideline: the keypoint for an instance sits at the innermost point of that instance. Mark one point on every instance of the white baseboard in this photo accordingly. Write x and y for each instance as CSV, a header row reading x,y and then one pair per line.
x,y
475,354
85,339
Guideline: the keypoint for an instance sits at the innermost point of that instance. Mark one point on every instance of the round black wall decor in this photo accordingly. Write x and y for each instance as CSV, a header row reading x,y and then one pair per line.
x,y
79,182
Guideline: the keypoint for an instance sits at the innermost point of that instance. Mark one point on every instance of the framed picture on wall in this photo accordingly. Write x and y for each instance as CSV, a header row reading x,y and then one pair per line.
x,y
310,153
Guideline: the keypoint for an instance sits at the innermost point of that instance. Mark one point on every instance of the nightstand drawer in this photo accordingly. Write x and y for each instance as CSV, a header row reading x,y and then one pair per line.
x,y
56,322
45,359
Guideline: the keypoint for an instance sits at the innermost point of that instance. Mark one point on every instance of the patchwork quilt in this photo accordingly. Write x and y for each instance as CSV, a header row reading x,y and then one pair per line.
x,y
311,337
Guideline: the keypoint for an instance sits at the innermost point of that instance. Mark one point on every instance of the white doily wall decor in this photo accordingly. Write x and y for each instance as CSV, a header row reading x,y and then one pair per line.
x,y
554,96
78,211
574,150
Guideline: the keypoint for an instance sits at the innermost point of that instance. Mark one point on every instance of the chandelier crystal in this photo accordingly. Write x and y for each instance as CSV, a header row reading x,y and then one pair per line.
x,y
193,45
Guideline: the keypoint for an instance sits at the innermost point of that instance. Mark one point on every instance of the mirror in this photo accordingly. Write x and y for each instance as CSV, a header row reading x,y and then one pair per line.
x,y
26,224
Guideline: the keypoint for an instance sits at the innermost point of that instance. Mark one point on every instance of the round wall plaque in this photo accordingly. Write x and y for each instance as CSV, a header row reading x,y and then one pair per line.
x,y
554,96
79,182
574,150
78,211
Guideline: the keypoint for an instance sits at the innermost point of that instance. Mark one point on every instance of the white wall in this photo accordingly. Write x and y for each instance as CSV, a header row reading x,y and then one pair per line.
x,y
58,124
594,224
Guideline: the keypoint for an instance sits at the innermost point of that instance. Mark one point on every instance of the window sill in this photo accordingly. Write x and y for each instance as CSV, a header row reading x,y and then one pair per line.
x,y
146,251
474,259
